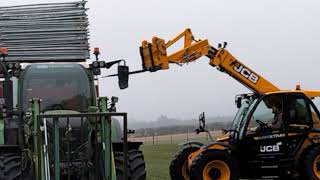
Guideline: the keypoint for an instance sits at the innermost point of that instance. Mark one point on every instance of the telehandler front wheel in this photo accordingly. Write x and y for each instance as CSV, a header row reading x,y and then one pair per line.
x,y
179,164
214,165
310,164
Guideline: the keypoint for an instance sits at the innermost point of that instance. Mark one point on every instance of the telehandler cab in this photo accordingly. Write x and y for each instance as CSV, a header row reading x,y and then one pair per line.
x,y
275,133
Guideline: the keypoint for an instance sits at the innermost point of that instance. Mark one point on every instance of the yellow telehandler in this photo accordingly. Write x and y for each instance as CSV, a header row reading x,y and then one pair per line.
x,y
274,135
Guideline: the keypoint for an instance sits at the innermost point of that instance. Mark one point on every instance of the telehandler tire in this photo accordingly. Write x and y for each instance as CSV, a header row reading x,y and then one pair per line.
x,y
179,164
214,165
310,164
136,165
10,166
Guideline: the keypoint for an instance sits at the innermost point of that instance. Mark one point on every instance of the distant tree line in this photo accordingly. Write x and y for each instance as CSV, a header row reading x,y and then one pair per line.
x,y
214,126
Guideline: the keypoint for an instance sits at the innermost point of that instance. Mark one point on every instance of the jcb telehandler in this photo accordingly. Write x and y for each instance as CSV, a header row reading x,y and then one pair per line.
x,y
53,124
275,133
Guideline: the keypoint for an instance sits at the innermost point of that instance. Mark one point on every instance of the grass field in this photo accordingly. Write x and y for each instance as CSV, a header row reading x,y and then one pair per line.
x,y
158,156
158,159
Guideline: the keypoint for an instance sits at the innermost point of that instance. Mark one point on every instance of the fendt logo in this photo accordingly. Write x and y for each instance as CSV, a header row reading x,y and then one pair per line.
x,y
271,148
246,73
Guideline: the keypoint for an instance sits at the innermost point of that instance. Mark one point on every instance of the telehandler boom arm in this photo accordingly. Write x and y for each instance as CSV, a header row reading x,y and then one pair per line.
x,y
155,57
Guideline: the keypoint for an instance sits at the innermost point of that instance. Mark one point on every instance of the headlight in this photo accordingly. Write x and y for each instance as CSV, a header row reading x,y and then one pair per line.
x,y
101,64
95,64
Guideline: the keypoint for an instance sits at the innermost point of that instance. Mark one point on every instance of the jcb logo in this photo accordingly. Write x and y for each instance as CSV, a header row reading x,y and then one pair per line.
x,y
246,73
271,148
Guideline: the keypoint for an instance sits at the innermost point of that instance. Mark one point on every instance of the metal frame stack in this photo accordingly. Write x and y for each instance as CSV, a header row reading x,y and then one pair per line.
x,y
45,32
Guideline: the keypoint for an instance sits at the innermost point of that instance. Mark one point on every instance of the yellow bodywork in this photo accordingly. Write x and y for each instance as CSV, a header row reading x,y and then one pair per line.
x,y
155,57
217,164
309,93
224,138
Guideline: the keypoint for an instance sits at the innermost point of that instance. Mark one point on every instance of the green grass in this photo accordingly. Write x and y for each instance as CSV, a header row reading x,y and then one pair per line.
x,y
158,159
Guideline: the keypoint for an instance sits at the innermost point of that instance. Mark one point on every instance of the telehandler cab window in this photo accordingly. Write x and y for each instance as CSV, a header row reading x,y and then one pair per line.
x,y
268,113
241,114
298,111
315,118
60,86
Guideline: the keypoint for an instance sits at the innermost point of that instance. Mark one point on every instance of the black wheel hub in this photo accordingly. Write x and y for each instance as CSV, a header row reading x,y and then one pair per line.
x,y
215,173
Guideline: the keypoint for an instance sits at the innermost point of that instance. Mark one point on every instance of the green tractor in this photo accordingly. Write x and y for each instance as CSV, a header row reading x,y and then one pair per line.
x,y
53,124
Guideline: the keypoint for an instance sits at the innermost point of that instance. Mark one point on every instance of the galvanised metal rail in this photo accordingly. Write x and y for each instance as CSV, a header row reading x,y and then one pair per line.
x,y
69,126
45,32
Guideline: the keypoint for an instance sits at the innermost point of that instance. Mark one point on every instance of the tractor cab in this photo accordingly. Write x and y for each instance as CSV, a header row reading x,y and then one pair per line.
x,y
59,86
53,124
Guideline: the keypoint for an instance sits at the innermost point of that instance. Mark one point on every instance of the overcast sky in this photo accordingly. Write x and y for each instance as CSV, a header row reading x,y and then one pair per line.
x,y
278,39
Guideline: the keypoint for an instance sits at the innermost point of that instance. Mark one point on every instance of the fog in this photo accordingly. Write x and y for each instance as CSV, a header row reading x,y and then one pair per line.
x,y
277,39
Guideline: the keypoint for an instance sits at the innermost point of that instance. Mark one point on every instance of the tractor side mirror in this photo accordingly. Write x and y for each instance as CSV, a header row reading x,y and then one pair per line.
x,y
123,76
114,99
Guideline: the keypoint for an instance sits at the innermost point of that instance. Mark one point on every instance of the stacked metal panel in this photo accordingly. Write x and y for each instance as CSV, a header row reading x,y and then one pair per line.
x,y
45,32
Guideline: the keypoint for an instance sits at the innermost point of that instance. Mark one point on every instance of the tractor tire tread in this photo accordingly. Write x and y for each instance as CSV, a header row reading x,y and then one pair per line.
x,y
10,166
177,162
307,160
136,165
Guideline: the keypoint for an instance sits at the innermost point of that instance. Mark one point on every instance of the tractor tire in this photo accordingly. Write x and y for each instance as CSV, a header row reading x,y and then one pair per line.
x,y
179,164
136,165
310,164
214,164
10,166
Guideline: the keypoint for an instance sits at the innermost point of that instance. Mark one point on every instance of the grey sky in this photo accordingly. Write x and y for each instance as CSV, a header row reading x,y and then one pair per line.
x,y
278,39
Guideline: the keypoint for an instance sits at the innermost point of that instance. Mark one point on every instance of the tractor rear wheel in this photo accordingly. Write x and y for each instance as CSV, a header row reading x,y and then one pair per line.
x,y
179,164
136,165
214,165
310,164
10,166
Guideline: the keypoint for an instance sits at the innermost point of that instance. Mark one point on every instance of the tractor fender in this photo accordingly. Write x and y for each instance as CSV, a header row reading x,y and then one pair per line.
x,y
192,143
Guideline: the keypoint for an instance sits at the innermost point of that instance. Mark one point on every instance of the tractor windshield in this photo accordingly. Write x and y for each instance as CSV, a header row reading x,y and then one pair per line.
x,y
59,86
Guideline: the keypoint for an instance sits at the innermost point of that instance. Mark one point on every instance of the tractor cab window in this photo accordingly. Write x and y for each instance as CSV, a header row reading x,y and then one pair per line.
x,y
268,114
60,86
298,112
